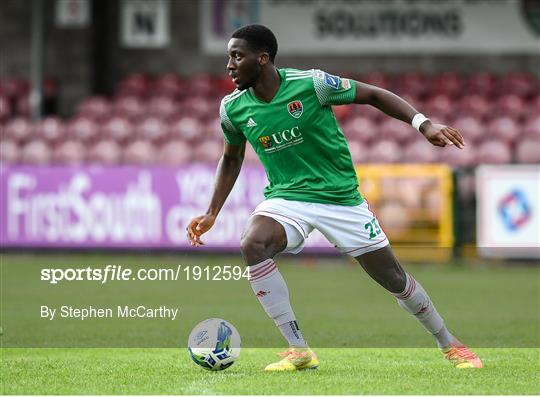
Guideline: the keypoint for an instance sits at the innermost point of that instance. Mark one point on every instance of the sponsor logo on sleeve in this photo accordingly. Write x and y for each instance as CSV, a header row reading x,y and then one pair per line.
x,y
331,80
345,84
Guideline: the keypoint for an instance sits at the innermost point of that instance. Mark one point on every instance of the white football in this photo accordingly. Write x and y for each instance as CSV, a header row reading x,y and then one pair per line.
x,y
214,344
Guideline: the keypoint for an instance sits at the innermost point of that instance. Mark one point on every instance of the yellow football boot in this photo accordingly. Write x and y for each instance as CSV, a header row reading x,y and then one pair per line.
x,y
295,359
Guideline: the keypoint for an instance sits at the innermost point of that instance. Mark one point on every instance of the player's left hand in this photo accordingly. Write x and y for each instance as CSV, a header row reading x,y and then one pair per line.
x,y
442,135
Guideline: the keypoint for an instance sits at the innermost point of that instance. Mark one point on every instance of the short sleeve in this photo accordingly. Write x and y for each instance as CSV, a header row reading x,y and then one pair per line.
x,y
231,134
333,90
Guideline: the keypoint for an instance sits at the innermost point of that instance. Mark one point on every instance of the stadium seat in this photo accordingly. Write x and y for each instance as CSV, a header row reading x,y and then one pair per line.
x,y
169,85
5,108
95,107
532,108
13,87
69,153
174,153
19,129
413,84
22,106
511,106
9,151
396,130
118,128
494,152
460,157
377,79
35,152
528,151
105,152
139,152
163,107
359,151
531,128
225,85
185,128
421,151
474,105
360,128
135,84
200,107
151,129
439,107
520,84
128,106
482,84
209,152
201,85
385,151
503,128
51,129
471,129
83,129
447,84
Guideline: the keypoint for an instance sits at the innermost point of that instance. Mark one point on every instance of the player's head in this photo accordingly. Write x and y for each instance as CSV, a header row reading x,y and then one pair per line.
x,y
251,48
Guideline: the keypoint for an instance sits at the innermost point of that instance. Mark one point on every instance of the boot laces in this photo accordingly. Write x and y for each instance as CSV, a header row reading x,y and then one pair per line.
x,y
460,353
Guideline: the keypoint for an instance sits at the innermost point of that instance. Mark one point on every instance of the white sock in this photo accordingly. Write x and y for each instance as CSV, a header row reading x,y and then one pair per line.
x,y
415,300
270,287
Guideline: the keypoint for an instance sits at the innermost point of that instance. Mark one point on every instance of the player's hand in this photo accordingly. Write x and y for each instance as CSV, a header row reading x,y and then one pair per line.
x,y
197,227
442,135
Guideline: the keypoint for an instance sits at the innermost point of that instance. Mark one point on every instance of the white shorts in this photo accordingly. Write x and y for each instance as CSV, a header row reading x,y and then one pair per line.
x,y
354,230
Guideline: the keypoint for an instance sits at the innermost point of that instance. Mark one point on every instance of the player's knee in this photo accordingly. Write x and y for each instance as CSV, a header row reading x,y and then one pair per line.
x,y
256,248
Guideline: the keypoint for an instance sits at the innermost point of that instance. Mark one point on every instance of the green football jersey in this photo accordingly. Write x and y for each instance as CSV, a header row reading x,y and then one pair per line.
x,y
296,136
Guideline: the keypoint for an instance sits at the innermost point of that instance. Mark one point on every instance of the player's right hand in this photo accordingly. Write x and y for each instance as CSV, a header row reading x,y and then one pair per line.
x,y
197,227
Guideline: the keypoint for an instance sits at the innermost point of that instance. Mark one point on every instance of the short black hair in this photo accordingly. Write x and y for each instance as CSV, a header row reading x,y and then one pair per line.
x,y
259,38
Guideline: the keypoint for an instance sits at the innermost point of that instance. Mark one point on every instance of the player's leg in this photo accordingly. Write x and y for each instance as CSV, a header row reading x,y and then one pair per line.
x,y
385,269
263,238
355,231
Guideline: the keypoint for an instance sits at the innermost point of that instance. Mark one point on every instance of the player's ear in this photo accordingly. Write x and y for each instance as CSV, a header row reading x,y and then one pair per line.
x,y
264,58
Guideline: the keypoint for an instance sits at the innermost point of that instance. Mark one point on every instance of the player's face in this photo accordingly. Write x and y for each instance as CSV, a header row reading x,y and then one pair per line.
x,y
244,64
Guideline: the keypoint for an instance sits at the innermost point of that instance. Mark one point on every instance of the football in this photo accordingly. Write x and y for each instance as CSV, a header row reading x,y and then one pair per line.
x,y
214,344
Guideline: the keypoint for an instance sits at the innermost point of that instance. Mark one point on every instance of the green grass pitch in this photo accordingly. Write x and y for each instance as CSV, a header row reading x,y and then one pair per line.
x,y
366,343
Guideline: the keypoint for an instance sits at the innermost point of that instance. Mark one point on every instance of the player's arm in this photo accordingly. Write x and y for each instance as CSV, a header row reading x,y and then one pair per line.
x,y
398,108
227,172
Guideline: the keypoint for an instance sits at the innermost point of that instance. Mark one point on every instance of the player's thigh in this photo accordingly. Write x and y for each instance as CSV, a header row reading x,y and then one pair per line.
x,y
294,217
354,230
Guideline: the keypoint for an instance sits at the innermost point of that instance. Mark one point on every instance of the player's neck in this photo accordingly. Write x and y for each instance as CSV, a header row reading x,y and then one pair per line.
x,y
267,85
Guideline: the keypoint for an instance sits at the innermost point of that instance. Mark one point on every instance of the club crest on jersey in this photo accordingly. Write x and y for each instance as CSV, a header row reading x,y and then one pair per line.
x,y
295,109
265,141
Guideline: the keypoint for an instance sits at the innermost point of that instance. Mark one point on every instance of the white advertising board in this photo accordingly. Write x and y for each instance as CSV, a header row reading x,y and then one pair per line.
x,y
352,27
508,211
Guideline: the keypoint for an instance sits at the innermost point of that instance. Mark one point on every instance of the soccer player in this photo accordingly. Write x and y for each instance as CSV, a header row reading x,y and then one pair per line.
x,y
286,115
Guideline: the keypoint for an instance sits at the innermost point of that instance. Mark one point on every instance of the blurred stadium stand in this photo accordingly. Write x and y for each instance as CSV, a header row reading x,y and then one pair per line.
x,y
174,120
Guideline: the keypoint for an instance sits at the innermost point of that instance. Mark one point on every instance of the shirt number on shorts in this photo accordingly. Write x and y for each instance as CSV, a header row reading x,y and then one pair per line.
x,y
373,228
